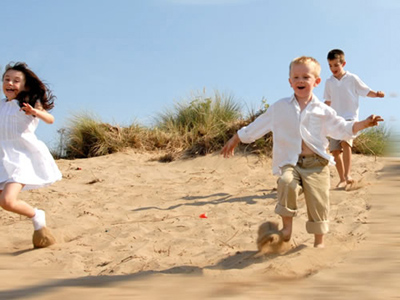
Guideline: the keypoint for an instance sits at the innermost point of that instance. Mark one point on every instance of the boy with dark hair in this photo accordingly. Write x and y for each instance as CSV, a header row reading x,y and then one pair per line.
x,y
342,91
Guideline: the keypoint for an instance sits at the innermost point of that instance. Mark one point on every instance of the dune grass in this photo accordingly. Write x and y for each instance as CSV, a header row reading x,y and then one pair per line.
x,y
372,141
87,136
202,122
197,126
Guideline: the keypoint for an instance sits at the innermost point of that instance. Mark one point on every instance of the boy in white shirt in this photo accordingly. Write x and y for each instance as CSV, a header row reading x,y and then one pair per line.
x,y
342,91
300,124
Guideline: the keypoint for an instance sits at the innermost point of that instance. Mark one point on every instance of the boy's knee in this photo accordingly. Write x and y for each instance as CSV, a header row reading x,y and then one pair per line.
x,y
286,179
287,183
345,145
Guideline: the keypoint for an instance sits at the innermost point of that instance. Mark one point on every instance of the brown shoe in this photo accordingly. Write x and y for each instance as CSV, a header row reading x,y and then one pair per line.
x,y
43,238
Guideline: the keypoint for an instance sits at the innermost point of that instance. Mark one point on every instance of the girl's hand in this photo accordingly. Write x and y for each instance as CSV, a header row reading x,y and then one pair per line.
x,y
38,111
29,110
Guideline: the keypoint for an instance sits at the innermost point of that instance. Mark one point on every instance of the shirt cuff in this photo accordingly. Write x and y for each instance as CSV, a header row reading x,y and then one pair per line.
x,y
349,130
243,136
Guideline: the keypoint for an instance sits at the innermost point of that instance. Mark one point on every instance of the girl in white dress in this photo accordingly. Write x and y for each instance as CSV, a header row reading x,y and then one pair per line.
x,y
25,161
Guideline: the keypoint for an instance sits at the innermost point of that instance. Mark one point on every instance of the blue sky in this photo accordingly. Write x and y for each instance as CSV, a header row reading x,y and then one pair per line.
x,y
126,61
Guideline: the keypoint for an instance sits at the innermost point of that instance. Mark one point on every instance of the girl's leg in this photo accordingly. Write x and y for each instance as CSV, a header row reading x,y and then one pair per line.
x,y
9,201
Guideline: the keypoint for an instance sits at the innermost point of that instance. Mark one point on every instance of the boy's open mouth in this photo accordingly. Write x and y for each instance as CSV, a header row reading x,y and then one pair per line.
x,y
301,87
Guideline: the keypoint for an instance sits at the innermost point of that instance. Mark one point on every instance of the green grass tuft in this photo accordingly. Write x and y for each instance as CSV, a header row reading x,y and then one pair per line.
x,y
372,141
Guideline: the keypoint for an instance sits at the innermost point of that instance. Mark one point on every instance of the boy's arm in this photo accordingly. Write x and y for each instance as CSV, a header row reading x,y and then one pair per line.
x,y
371,121
327,93
256,129
378,94
230,146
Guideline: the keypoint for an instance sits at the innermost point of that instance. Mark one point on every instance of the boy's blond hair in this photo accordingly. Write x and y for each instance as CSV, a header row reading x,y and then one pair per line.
x,y
306,60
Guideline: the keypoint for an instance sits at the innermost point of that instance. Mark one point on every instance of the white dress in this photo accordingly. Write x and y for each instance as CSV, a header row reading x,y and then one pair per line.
x,y
23,158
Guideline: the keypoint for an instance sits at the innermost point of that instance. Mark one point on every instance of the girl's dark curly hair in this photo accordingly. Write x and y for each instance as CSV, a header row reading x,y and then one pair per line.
x,y
35,89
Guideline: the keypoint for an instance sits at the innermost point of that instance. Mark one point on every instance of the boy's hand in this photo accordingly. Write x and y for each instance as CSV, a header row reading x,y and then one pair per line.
x,y
230,146
380,94
372,121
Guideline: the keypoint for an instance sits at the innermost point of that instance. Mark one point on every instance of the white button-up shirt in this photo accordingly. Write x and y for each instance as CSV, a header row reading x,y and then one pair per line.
x,y
290,126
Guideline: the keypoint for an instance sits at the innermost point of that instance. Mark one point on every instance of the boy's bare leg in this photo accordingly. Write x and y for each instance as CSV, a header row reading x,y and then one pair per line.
x,y
347,162
339,167
319,241
286,231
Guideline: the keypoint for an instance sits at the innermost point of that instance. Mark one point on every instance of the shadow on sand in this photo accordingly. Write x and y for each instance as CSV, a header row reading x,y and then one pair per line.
x,y
239,260
221,198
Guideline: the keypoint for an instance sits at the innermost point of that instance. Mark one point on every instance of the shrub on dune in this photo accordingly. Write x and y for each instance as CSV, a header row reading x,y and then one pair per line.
x,y
373,141
198,126
86,136
203,121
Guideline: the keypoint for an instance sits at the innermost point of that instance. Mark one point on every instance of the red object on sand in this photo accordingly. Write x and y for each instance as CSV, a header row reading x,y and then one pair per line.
x,y
203,216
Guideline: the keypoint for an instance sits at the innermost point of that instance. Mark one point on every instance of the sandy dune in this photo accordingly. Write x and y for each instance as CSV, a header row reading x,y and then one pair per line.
x,y
129,227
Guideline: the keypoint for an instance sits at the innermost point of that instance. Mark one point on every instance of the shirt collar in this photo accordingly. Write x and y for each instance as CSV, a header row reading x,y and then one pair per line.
x,y
344,75
293,98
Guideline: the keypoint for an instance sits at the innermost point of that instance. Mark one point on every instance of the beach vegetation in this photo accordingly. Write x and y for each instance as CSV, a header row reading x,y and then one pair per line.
x,y
372,141
198,125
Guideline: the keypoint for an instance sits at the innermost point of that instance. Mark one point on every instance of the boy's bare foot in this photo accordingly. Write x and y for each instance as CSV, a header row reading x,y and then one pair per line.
x,y
319,241
341,184
286,234
349,180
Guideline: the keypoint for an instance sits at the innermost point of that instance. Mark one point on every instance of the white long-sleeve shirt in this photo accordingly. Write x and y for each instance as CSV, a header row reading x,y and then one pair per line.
x,y
290,127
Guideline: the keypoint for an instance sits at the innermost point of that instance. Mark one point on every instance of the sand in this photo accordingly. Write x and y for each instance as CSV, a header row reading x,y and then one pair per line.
x,y
129,227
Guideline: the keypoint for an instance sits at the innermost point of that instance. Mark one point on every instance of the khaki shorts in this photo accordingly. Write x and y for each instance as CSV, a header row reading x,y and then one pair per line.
x,y
336,144
310,176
